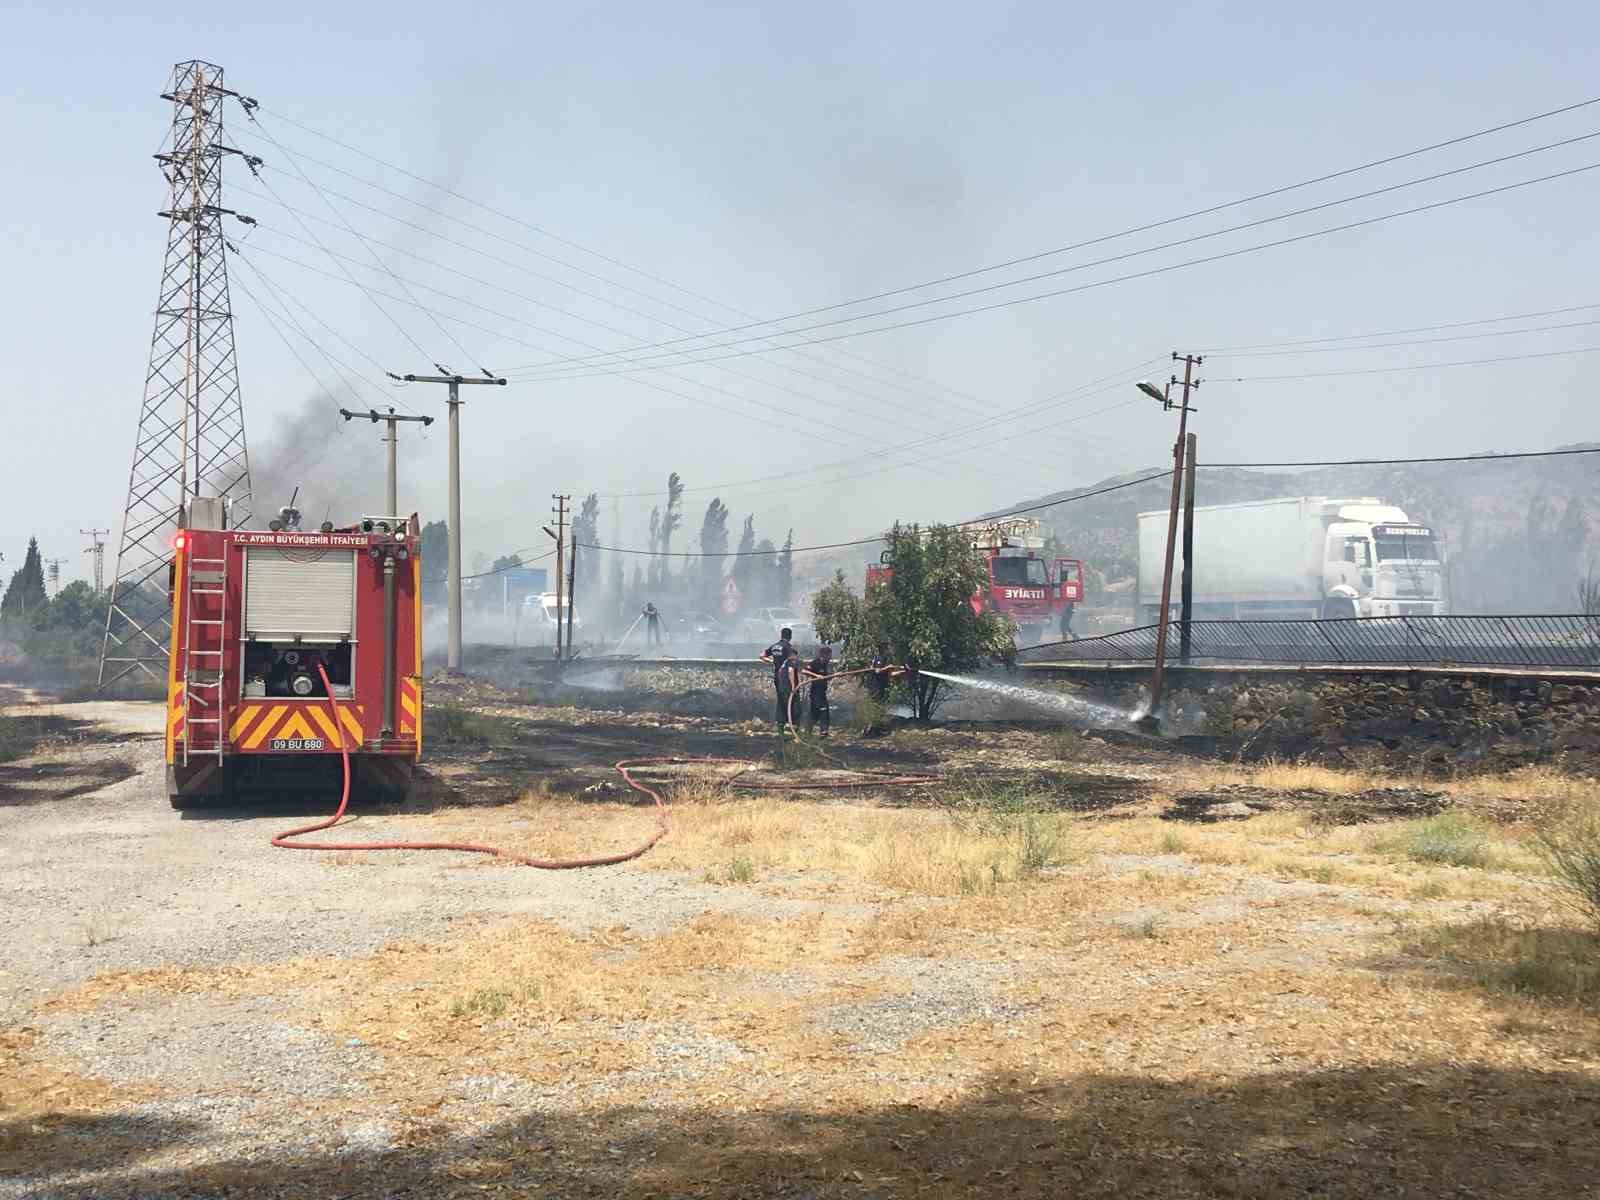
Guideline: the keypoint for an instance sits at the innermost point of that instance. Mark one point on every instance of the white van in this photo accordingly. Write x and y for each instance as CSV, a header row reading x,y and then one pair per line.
x,y
537,626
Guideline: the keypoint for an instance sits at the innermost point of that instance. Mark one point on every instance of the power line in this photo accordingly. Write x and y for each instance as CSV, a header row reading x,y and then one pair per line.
x,y
1220,351
249,110
1458,337
449,216
1084,287
1099,262
1029,409
1460,362
1102,491
1116,487
556,359
1400,462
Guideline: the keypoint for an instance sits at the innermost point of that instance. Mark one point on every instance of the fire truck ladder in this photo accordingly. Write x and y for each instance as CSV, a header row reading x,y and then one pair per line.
x,y
203,640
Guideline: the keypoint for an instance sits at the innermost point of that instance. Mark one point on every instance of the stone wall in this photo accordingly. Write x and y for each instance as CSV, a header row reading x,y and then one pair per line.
x,y
1431,723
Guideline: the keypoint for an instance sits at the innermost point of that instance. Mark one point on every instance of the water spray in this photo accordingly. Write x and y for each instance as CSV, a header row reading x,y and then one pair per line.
x,y
623,639
1070,707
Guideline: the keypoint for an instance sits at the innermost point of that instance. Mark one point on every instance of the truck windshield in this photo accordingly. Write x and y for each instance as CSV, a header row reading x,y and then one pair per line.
x,y
1403,546
1019,572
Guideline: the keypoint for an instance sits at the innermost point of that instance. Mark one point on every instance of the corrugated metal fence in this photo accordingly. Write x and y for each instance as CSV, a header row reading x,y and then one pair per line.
x,y
1556,640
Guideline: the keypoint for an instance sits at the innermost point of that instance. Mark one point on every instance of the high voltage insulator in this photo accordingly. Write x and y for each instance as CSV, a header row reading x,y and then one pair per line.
x,y
190,438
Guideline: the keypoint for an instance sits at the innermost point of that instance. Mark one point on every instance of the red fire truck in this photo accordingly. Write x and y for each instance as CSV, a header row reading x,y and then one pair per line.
x,y
1037,594
259,618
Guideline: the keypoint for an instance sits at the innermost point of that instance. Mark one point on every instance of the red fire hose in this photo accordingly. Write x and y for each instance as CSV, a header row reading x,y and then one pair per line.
x,y
283,841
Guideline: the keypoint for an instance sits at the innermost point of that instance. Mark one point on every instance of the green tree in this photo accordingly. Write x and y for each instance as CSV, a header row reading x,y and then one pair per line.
x,y
25,597
654,575
434,543
586,533
922,616
763,576
714,546
746,564
783,573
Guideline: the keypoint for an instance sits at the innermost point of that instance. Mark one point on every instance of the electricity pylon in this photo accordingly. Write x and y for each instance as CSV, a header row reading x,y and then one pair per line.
x,y
190,438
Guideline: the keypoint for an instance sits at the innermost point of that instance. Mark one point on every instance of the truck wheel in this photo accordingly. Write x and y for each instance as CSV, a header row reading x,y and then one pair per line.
x,y
1338,610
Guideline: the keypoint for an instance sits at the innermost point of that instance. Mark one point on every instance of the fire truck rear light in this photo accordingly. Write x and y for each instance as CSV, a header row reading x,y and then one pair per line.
x,y
178,541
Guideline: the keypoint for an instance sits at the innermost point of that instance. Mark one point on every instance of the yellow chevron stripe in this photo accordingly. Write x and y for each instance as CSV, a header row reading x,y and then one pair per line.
x,y
325,722
241,722
296,726
264,727
408,705
352,724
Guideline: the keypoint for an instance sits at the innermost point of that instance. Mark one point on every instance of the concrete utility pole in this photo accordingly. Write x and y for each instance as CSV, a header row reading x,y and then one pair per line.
x,y
453,653
54,573
561,561
1190,361
98,550
393,419
1186,604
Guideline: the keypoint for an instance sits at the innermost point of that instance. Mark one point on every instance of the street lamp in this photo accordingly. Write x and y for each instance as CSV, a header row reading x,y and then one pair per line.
x,y
1150,389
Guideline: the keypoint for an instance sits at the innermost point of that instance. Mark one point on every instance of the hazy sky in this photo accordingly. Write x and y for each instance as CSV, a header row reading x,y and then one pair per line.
x,y
779,158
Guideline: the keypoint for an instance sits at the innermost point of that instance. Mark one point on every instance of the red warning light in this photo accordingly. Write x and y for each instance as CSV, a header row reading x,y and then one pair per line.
x,y
178,540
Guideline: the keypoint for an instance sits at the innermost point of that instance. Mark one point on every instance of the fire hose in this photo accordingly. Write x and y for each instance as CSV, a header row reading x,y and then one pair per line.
x,y
286,839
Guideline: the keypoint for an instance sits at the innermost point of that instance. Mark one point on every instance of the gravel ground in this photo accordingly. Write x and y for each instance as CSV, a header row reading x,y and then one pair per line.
x,y
115,880
103,877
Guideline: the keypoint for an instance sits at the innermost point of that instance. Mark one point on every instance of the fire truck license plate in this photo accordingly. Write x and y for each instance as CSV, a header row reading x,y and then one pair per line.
x,y
297,743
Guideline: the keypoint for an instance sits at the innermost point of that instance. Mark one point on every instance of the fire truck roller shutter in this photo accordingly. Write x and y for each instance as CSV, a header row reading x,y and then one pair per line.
x,y
293,593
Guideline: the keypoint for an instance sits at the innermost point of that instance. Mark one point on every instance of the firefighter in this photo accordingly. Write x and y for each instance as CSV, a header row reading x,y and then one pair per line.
x,y
788,686
777,654
1066,622
818,670
652,623
878,681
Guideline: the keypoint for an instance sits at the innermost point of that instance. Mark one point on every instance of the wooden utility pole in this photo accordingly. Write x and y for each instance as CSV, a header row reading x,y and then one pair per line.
x,y
393,419
572,589
1186,604
1158,677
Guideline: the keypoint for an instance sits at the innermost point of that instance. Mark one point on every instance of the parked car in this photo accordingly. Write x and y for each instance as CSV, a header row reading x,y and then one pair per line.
x,y
763,625
697,627
537,626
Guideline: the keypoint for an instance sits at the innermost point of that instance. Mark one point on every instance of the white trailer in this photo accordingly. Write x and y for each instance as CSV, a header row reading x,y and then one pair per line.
x,y
1299,556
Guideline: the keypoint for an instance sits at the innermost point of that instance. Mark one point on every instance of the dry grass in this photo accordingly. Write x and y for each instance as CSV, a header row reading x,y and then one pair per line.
x,y
1540,962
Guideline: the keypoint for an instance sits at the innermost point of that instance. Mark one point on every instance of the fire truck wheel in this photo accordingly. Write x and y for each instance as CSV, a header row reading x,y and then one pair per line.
x,y
193,787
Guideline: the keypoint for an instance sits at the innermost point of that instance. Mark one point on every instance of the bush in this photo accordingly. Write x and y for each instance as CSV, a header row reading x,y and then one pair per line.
x,y
1446,839
1010,813
1570,847
451,725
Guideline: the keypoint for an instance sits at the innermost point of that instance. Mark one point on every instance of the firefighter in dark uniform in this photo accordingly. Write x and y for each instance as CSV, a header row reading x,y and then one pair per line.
x,y
652,623
788,686
818,670
777,654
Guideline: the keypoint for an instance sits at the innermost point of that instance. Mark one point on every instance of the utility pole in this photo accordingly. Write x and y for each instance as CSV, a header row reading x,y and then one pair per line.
x,y
191,420
1186,609
561,561
393,419
1152,718
453,400
54,573
98,550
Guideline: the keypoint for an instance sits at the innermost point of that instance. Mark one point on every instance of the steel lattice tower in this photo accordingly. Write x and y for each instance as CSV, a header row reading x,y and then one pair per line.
x,y
190,439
